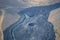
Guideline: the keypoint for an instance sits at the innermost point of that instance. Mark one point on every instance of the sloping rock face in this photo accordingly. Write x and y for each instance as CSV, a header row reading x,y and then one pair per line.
x,y
32,25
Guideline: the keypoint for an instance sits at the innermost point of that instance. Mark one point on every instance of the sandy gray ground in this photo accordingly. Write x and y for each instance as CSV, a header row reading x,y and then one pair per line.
x,y
1,20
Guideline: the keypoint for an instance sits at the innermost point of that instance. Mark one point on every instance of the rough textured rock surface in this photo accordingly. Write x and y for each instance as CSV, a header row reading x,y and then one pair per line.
x,y
33,24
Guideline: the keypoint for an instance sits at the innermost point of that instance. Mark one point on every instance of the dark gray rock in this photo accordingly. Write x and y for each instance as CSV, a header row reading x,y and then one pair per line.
x,y
33,24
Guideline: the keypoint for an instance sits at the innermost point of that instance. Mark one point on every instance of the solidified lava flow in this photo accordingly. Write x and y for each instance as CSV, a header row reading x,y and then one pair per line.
x,y
33,24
